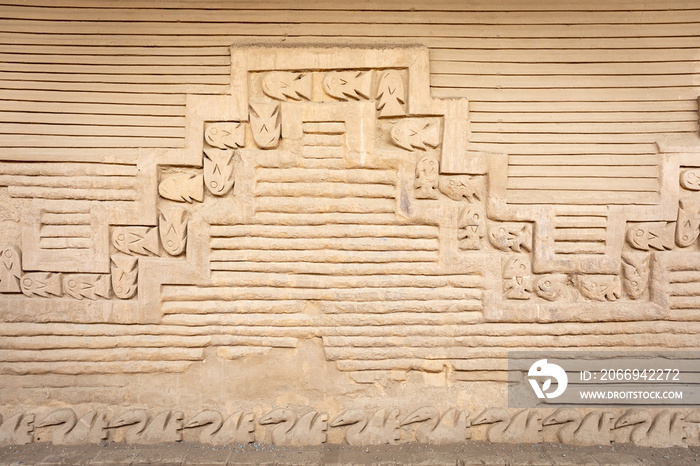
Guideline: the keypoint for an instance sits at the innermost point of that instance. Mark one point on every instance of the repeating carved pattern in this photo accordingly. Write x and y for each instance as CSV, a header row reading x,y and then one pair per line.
x,y
10,269
391,94
660,428
343,204
183,187
348,85
266,124
225,135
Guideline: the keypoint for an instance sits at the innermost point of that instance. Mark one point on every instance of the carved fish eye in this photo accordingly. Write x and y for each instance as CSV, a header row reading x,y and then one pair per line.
x,y
639,233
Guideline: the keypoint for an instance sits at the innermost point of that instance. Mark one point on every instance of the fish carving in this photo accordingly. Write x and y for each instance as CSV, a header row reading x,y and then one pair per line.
x,y
427,171
461,187
412,134
391,94
225,135
551,287
124,274
136,240
348,85
690,179
218,170
42,284
10,269
471,227
646,235
182,187
172,226
284,85
599,287
517,279
635,274
87,285
514,237
266,124
688,224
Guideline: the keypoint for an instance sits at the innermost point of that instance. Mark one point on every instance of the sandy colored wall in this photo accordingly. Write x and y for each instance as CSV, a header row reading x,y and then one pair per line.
x,y
366,213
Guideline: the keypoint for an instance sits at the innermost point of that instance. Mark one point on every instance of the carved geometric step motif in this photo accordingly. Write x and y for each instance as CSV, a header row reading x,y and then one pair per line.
x,y
331,196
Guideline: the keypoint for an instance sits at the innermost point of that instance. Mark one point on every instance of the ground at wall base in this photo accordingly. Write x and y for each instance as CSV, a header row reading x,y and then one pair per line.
x,y
465,454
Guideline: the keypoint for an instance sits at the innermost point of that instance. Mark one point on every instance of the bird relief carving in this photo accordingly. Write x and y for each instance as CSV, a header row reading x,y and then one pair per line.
x,y
237,428
163,427
360,429
291,429
665,429
523,427
451,427
69,430
595,428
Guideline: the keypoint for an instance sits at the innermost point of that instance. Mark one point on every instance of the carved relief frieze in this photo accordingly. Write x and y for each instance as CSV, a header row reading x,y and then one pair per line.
x,y
331,198
304,426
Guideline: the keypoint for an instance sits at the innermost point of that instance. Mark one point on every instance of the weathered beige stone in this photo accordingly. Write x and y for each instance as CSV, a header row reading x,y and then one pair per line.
x,y
323,248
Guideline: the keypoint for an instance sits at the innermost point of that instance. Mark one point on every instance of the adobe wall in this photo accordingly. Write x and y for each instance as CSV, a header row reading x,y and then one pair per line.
x,y
291,225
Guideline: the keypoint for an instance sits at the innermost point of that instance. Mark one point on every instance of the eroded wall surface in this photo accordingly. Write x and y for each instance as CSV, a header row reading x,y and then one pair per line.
x,y
247,222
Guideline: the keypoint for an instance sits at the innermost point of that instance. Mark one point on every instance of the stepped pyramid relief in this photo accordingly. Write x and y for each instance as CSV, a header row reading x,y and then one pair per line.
x,y
329,242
